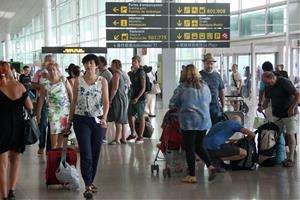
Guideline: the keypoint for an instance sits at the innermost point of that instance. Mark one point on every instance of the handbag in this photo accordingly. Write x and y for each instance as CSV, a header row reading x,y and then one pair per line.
x,y
155,88
258,121
31,129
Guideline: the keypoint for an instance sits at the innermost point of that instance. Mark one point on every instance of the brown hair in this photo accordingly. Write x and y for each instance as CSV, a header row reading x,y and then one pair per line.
x,y
191,77
76,70
5,70
117,63
136,58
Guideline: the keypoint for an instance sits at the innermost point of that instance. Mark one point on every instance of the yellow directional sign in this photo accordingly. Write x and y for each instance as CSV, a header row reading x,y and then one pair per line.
x,y
116,37
123,9
194,36
202,10
194,10
124,36
179,10
217,36
179,23
194,23
201,36
179,36
187,10
116,9
116,22
187,23
187,36
123,22
210,36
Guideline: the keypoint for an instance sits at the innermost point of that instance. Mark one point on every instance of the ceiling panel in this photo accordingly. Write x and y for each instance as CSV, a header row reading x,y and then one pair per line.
x,y
24,10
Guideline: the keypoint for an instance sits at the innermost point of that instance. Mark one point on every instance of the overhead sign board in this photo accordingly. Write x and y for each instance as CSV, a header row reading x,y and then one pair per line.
x,y
137,35
74,50
199,9
167,25
200,34
137,21
137,45
200,22
136,8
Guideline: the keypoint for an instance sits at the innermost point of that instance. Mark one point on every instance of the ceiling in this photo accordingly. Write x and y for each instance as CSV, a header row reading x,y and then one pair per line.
x,y
24,11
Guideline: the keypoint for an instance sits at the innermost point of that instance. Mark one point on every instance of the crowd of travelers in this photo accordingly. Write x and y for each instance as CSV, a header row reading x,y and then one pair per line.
x,y
86,101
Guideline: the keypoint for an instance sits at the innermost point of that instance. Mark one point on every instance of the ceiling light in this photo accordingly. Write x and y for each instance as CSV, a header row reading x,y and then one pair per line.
x,y
7,15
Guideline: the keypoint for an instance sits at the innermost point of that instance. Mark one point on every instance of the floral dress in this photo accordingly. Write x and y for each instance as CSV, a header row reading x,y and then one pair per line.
x,y
58,105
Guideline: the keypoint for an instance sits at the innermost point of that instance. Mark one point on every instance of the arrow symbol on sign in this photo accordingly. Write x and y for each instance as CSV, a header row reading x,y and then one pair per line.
x,y
116,22
179,23
179,10
116,37
116,9
179,36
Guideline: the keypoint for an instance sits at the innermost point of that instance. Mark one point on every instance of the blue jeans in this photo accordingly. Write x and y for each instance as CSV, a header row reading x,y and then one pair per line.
x,y
43,128
89,136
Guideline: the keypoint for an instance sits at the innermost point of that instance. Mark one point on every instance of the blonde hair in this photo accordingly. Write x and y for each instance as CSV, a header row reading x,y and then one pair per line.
x,y
191,77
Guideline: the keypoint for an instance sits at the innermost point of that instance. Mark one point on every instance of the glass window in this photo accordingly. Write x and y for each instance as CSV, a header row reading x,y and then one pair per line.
x,y
101,6
28,29
253,3
102,26
66,33
234,31
88,29
253,23
38,23
234,4
243,61
275,1
276,20
38,39
87,7
67,12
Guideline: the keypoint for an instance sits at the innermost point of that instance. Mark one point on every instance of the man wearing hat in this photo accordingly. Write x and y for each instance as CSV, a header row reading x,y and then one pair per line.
x,y
216,86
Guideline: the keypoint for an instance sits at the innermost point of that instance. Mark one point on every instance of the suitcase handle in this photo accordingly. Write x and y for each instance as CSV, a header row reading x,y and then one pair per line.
x,y
64,148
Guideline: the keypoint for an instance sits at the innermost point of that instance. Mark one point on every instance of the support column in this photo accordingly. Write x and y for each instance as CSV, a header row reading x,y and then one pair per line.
x,y
8,54
47,23
253,74
145,59
169,75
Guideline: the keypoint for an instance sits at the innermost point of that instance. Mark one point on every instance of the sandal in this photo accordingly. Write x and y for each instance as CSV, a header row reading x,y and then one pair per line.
x,y
189,179
88,194
123,141
93,188
288,163
114,142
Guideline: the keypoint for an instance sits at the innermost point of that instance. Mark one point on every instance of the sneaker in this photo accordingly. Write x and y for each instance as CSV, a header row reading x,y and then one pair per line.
x,y
11,195
131,137
139,140
40,151
104,141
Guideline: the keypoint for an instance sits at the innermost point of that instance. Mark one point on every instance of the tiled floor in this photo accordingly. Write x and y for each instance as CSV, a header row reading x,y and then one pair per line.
x,y
124,173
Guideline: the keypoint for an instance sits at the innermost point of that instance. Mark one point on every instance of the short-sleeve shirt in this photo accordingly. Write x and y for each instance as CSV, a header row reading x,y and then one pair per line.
x,y
25,80
220,133
235,78
106,74
135,78
282,96
215,84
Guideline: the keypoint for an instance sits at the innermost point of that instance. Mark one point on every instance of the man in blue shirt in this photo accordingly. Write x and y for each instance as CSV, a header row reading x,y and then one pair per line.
x,y
216,87
215,140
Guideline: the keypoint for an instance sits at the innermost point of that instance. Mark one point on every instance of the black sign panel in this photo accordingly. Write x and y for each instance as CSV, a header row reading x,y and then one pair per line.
x,y
200,9
199,44
138,45
74,50
200,22
137,35
136,8
137,21
200,34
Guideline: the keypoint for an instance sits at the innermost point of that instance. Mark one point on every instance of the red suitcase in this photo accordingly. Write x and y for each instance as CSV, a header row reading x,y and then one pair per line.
x,y
53,160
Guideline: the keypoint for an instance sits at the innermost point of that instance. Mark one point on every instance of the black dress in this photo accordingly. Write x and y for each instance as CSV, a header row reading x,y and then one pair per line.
x,y
12,124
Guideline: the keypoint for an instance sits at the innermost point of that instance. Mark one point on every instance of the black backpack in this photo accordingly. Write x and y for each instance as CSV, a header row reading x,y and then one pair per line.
x,y
148,83
267,142
248,163
148,127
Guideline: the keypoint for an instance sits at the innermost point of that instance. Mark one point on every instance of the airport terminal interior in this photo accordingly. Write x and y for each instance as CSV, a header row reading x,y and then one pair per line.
x,y
243,32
